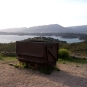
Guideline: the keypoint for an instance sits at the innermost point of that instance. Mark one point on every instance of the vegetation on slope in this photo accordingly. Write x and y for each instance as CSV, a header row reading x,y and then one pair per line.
x,y
65,57
75,48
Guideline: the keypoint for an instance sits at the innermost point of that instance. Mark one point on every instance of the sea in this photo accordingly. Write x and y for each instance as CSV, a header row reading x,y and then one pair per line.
x,y
14,38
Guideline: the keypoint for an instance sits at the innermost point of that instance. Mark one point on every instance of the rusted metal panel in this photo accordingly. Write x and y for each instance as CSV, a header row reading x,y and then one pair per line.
x,y
30,48
39,52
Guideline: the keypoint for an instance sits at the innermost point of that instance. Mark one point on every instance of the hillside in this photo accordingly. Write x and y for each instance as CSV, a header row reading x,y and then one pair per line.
x,y
78,29
45,29
75,48
52,28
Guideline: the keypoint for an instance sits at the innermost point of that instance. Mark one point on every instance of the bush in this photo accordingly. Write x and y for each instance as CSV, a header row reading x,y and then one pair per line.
x,y
9,54
63,53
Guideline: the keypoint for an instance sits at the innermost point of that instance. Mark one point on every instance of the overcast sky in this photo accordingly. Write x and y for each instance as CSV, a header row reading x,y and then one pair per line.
x,y
27,13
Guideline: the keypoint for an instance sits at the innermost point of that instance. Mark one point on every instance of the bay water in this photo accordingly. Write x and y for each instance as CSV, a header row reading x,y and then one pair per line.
x,y
13,38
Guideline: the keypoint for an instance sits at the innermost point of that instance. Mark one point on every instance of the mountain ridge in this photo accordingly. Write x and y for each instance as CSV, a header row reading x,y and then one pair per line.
x,y
51,28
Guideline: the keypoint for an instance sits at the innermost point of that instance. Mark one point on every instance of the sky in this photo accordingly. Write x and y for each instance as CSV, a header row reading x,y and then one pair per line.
x,y
28,13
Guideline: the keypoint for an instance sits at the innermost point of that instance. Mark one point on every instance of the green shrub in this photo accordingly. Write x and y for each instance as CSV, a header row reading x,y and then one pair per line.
x,y
9,54
16,66
22,65
63,53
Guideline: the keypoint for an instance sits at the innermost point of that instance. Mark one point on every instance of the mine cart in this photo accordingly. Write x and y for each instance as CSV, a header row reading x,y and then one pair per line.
x,y
36,52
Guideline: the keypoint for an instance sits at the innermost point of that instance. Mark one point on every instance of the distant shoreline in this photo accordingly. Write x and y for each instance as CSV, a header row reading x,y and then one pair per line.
x,y
14,38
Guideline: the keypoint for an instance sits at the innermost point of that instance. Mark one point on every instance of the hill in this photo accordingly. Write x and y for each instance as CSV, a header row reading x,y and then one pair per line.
x,y
52,28
77,29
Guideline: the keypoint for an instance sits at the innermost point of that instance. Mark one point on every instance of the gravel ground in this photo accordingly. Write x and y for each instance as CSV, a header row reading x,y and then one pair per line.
x,y
71,75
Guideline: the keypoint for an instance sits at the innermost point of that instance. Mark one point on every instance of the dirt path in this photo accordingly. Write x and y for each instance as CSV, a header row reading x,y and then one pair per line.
x,y
71,75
